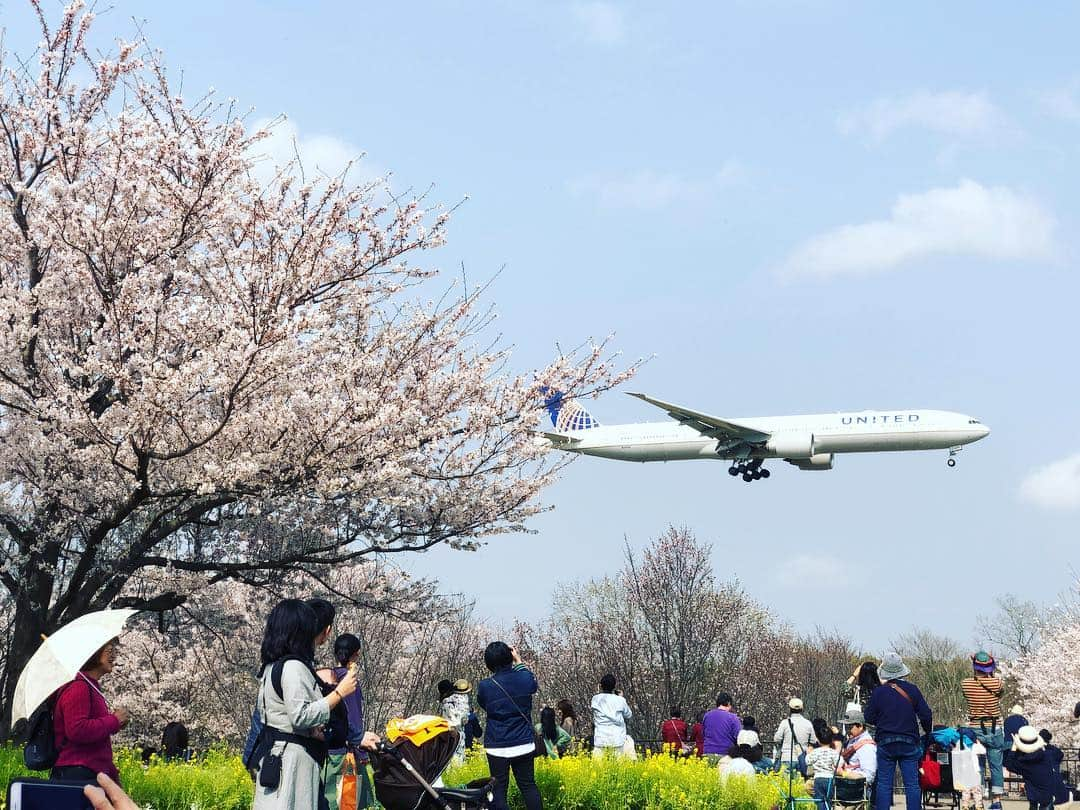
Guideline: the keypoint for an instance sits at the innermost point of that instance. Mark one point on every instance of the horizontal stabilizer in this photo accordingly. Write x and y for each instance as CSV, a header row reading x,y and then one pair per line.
x,y
559,438
705,424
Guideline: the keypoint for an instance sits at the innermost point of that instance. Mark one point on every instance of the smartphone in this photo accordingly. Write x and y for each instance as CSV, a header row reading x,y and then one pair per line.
x,y
38,794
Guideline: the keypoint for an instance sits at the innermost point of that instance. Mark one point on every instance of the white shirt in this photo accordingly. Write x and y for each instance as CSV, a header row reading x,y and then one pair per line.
x,y
865,759
736,767
610,713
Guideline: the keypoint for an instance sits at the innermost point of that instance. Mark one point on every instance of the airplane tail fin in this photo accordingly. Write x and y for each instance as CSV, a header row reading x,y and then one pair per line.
x,y
567,414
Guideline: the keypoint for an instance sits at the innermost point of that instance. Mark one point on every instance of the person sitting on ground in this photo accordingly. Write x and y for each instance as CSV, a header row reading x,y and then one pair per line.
x,y
1063,792
860,754
673,732
556,740
567,716
610,713
821,765
794,735
697,733
749,742
720,728
739,761
1028,759
749,726
174,743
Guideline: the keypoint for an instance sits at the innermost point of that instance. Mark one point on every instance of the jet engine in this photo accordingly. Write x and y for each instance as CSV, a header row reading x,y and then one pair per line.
x,y
818,461
791,445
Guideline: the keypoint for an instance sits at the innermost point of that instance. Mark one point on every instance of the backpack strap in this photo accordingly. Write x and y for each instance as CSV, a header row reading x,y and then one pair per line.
x,y
279,666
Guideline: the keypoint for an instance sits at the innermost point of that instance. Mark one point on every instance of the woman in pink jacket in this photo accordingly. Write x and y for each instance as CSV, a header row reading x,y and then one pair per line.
x,y
83,723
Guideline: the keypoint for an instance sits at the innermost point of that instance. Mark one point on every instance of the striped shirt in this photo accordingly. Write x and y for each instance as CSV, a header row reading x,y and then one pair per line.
x,y
983,697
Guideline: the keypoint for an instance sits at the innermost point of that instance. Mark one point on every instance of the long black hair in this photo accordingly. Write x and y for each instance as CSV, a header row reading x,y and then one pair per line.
x,y
868,678
345,647
174,740
291,628
547,724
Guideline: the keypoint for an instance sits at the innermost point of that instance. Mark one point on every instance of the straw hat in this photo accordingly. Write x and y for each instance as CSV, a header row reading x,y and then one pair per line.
x,y
462,686
795,704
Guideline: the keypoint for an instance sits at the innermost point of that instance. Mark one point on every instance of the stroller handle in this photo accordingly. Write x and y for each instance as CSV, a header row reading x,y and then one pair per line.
x,y
388,750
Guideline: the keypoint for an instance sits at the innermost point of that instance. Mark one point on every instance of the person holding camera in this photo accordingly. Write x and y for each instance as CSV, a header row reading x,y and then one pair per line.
x,y
509,740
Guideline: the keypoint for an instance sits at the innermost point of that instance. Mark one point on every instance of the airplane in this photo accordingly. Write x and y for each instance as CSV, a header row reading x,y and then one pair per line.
x,y
809,442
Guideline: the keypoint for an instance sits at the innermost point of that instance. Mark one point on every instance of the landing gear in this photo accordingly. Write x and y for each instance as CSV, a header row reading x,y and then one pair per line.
x,y
951,461
749,470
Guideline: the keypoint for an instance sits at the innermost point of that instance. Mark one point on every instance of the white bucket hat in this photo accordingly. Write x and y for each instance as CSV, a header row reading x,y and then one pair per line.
x,y
1028,741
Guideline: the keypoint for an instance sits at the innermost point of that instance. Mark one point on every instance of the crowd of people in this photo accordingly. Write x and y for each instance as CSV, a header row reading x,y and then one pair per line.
x,y
307,742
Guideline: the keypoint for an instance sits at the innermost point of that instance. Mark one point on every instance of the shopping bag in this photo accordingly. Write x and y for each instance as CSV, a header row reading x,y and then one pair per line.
x,y
347,787
965,769
629,751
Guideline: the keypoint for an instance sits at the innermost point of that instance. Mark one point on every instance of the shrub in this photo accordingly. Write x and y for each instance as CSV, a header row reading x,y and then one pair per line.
x,y
213,781
654,783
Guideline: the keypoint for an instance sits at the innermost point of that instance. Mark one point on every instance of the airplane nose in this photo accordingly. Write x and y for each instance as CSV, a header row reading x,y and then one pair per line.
x,y
984,431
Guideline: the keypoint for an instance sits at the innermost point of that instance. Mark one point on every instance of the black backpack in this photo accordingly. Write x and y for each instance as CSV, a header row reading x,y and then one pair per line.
x,y
336,730
40,752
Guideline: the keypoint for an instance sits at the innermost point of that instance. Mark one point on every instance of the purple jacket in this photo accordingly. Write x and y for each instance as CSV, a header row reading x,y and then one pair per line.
x,y
720,728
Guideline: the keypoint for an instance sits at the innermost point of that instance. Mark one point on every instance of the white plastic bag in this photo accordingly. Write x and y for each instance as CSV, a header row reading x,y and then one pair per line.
x,y
965,769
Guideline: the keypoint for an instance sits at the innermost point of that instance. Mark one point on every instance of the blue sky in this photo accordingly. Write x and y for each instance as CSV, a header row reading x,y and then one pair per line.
x,y
796,206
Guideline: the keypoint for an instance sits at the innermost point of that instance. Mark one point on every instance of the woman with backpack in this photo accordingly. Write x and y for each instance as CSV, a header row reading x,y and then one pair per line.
x,y
83,724
291,751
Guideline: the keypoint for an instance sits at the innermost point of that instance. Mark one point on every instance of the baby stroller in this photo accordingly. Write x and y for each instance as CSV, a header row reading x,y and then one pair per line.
x,y
419,750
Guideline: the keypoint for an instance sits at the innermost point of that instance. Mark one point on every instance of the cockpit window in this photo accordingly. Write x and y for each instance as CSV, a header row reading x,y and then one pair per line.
x,y
974,422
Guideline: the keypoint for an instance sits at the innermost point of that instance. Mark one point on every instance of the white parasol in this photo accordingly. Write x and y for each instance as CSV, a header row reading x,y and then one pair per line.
x,y
60,656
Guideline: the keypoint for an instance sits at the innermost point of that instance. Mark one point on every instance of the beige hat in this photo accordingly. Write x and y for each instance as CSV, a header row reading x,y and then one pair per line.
x,y
795,704
1028,740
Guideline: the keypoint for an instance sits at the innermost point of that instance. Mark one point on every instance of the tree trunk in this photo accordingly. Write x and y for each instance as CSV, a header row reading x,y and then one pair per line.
x,y
31,608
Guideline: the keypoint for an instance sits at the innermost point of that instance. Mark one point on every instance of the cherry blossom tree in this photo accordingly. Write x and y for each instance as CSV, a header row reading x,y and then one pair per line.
x,y
1048,676
202,669
205,373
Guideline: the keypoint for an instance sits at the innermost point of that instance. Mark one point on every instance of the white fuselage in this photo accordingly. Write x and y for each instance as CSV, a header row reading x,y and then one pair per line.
x,y
791,436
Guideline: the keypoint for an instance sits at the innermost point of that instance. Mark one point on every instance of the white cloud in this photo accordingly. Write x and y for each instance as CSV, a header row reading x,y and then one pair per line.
x,y
600,23
1063,102
807,568
1055,486
948,113
320,154
649,189
968,219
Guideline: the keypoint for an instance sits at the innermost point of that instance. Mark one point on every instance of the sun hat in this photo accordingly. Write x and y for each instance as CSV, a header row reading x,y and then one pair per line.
x,y
1017,709
892,667
462,686
984,662
1028,741
795,704
853,716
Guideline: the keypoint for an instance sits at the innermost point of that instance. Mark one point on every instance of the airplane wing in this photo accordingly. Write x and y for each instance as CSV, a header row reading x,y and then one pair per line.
x,y
703,423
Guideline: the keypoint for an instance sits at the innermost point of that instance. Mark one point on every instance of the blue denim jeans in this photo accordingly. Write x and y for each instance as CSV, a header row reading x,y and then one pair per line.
x,y
823,791
995,745
894,750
